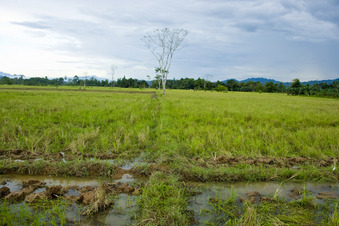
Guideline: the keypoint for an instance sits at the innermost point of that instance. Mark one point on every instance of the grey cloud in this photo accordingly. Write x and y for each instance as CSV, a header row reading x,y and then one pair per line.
x,y
226,37
291,18
249,27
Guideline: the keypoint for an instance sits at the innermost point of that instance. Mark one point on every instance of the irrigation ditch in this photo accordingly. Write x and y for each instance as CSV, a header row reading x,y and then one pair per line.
x,y
108,201
98,198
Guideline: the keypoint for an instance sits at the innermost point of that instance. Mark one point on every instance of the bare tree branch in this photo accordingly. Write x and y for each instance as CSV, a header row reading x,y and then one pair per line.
x,y
162,44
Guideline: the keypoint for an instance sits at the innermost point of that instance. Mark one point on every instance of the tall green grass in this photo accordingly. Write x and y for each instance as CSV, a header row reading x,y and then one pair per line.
x,y
206,124
185,123
53,121
163,201
23,214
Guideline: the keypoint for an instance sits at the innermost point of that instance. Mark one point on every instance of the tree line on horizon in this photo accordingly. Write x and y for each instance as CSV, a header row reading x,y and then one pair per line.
x,y
296,87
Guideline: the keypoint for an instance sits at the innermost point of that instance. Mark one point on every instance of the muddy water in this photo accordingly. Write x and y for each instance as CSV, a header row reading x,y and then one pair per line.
x,y
121,213
127,165
14,181
125,205
199,204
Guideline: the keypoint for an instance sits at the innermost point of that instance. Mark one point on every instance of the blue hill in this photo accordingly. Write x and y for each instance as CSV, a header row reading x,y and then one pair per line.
x,y
2,74
263,80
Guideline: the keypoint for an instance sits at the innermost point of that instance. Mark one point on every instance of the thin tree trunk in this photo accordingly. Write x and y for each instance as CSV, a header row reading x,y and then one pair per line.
x,y
163,87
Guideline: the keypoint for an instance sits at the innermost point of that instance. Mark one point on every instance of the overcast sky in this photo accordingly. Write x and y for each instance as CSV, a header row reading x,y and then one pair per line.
x,y
279,39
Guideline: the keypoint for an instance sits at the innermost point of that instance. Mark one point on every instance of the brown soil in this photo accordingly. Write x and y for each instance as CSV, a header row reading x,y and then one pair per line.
x,y
263,161
221,160
54,191
19,195
296,192
253,194
327,195
4,191
253,197
97,200
83,170
36,197
118,173
29,155
89,168
97,197
266,199
33,183
87,188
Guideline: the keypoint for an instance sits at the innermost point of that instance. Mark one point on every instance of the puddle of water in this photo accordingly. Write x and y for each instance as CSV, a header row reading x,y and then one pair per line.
x,y
124,208
14,181
199,204
130,165
266,188
121,214
39,190
126,178
125,165
12,185
72,192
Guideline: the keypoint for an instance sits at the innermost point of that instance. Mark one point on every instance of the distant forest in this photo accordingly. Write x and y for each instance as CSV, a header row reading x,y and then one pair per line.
x,y
294,88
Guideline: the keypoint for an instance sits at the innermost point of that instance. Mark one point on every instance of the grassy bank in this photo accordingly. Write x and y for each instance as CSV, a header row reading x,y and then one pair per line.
x,y
163,201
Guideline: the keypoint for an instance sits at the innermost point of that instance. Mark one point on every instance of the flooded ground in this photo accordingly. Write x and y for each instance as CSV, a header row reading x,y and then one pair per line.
x,y
208,193
82,192
266,189
121,214
119,205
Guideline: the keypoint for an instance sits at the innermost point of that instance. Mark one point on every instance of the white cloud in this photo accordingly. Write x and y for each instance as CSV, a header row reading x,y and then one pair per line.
x,y
227,38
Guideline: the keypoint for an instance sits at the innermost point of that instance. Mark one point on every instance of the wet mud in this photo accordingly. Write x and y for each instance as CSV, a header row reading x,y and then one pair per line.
x,y
108,200
15,191
209,194
93,201
19,154
292,162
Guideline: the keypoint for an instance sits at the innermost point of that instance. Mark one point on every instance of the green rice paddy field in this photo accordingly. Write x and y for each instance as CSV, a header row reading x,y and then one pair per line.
x,y
173,140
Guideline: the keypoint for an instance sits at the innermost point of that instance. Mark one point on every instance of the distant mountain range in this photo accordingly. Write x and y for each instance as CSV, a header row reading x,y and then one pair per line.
x,y
2,74
263,80
89,77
